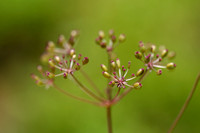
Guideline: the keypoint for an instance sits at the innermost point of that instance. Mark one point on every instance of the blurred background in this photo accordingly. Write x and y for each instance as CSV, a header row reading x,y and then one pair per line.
x,y
26,26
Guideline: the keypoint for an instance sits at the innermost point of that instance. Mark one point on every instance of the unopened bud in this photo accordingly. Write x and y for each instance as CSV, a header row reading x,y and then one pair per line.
x,y
50,46
98,40
129,64
113,38
113,64
111,33
72,52
51,63
65,75
111,83
147,58
171,66
122,37
61,40
153,48
71,40
142,47
118,63
50,75
103,44
140,72
104,68
74,33
39,68
57,59
39,82
79,56
164,53
159,72
106,74
77,66
101,34
171,55
33,76
138,55
85,60
137,85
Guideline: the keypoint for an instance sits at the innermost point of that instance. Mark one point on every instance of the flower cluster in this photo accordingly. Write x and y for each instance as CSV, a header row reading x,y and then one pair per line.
x,y
62,58
119,73
112,42
153,58
64,46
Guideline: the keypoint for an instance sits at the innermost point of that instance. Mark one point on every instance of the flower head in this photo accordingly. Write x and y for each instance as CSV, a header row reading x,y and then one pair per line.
x,y
64,46
152,58
118,77
112,41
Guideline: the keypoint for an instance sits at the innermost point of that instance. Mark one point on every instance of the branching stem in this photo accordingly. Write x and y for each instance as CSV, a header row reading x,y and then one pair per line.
x,y
185,105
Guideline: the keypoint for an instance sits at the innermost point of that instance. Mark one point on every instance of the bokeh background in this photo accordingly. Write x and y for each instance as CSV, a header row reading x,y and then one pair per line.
x,y
26,26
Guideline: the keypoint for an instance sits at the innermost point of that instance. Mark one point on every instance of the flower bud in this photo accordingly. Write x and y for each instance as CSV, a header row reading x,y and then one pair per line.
x,y
104,68
147,58
137,85
50,46
122,37
61,40
50,75
140,72
57,59
51,63
159,72
164,53
118,63
72,52
39,68
138,55
77,66
79,56
98,40
142,47
113,38
74,33
153,48
111,83
103,44
129,64
85,60
39,82
171,66
171,55
65,75
111,33
101,34
113,64
71,40
106,74
33,76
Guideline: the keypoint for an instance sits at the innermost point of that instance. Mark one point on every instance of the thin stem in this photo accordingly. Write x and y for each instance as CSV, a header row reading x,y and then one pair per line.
x,y
109,119
75,97
185,105
128,90
86,90
91,83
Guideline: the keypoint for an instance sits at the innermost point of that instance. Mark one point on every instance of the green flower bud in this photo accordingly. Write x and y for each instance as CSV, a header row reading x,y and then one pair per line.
x,y
122,37
138,55
159,72
50,75
106,74
77,66
61,40
113,64
85,60
153,48
50,46
72,52
51,63
39,83
65,75
118,63
137,85
104,68
140,72
164,53
111,83
171,66
57,59
101,34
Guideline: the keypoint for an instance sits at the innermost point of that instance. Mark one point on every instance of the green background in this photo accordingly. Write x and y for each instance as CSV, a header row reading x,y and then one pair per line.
x,y
25,27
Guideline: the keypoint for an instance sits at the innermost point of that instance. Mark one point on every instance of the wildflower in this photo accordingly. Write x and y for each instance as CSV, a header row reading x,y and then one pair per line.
x,y
153,58
112,42
67,67
118,77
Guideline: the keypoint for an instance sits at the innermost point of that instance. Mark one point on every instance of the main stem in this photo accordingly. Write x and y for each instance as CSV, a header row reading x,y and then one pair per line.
x,y
109,119
185,105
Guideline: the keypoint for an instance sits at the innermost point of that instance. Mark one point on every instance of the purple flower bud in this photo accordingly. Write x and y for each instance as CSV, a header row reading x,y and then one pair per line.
x,y
85,60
